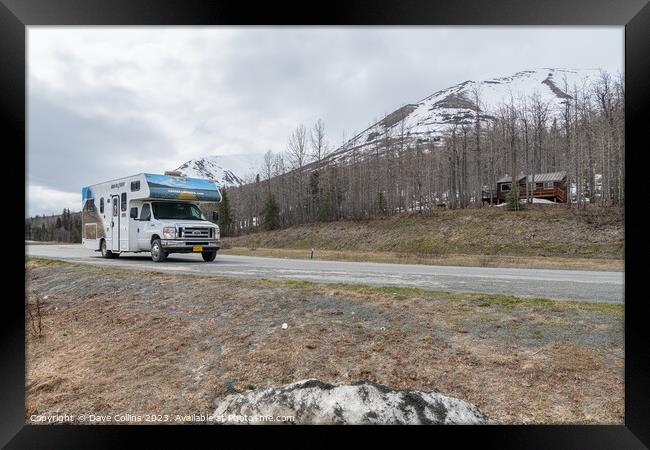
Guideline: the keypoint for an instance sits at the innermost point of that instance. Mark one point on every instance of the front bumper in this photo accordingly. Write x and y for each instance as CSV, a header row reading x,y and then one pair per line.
x,y
187,246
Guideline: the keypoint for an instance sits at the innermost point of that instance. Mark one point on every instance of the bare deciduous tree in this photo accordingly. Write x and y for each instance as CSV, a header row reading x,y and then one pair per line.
x,y
397,171
317,140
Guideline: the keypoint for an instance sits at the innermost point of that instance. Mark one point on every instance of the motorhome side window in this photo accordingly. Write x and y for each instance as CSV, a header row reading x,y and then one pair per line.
x,y
135,186
101,205
123,201
145,212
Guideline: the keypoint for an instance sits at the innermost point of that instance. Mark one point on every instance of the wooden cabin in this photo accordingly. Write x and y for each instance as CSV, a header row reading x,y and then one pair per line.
x,y
550,186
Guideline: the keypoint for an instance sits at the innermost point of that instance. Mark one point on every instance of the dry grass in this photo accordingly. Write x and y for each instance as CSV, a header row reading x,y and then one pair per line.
x,y
541,236
120,342
549,262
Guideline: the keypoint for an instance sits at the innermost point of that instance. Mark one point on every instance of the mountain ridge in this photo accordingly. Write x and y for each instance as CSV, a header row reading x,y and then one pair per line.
x,y
425,121
226,170
428,119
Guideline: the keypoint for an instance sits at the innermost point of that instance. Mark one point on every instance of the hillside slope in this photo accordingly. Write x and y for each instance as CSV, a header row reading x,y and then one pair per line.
x,y
539,232
427,120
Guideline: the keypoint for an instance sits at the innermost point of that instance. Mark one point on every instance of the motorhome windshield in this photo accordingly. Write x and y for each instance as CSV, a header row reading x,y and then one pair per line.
x,y
178,211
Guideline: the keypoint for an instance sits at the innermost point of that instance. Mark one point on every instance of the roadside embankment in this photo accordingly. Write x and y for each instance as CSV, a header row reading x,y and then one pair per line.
x,y
115,341
540,237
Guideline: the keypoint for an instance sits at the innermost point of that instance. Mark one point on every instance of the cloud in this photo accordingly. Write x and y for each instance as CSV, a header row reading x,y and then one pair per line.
x,y
109,102
46,201
67,149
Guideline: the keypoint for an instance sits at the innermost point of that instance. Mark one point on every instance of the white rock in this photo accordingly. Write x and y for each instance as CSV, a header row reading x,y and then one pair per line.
x,y
285,326
314,402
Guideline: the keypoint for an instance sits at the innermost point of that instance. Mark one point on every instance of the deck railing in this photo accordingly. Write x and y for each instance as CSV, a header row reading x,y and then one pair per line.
x,y
554,192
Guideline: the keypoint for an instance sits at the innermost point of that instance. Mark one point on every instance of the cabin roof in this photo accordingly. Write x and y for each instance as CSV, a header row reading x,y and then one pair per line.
x,y
508,178
539,177
551,176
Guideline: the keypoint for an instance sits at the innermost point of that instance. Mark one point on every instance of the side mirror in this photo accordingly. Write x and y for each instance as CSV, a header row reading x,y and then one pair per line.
x,y
134,213
215,216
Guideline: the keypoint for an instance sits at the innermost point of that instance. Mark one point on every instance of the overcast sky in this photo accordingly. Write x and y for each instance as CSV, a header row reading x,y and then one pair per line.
x,y
107,102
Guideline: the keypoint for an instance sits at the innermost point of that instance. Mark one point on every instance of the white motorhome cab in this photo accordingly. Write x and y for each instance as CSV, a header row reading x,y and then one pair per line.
x,y
150,213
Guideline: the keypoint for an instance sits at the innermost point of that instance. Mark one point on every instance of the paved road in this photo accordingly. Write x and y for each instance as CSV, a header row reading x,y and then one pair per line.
x,y
555,284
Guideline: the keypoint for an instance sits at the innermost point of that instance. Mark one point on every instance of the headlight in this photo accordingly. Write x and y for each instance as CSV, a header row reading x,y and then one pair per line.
x,y
169,232
216,233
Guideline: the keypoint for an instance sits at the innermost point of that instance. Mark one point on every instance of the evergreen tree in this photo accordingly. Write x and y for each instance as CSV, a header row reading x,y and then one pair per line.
x,y
513,203
381,203
314,192
225,215
65,219
324,209
270,213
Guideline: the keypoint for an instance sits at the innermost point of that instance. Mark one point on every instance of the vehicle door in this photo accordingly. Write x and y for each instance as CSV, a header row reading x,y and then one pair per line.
x,y
144,227
124,223
115,224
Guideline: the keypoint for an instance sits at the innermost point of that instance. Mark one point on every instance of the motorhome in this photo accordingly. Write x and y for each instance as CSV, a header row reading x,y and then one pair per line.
x,y
150,213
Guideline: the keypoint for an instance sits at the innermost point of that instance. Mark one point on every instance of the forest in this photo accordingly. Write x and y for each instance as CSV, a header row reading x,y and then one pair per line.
x,y
584,137
65,227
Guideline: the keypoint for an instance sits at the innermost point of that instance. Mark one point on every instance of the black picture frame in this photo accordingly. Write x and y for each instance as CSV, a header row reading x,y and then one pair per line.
x,y
16,15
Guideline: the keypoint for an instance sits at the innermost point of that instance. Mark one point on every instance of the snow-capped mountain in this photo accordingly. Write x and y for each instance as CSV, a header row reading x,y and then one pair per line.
x,y
424,121
428,119
226,170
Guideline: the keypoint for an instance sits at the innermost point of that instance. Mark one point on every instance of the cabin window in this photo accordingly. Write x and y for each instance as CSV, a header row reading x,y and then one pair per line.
x,y
145,212
101,205
505,187
135,185
123,201
548,185
90,205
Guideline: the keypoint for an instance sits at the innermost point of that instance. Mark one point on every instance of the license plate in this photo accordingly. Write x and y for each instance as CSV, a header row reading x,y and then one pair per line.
x,y
197,248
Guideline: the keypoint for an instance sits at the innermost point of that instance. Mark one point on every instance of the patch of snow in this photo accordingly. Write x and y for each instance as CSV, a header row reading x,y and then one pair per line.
x,y
428,120
538,201
543,201
226,170
314,402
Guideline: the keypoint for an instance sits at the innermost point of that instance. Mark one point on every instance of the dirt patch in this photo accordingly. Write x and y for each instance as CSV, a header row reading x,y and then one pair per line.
x,y
117,342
